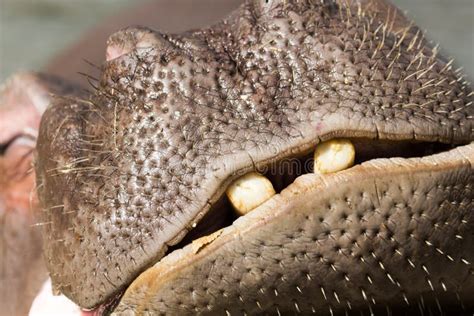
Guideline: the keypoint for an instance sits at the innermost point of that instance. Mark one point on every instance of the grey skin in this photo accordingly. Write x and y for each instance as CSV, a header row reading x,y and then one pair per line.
x,y
127,173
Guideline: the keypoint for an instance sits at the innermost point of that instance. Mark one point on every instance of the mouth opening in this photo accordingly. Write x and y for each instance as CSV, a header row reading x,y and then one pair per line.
x,y
281,174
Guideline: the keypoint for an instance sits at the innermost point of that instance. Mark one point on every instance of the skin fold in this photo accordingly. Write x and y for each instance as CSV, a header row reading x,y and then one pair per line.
x,y
127,172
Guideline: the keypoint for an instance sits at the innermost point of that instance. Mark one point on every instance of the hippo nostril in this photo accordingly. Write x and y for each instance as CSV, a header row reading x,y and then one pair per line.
x,y
129,39
115,51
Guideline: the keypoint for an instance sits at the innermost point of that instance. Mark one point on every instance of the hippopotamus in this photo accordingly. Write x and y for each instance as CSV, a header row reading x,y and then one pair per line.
x,y
296,157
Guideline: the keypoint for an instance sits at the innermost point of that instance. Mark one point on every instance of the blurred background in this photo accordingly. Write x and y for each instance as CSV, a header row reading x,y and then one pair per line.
x,y
32,32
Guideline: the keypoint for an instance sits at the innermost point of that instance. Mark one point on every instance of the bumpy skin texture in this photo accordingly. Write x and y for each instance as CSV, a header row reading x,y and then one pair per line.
x,y
399,239
128,172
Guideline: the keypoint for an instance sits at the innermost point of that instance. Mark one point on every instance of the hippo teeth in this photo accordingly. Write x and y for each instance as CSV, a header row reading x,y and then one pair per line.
x,y
249,191
333,156
245,195
164,280
253,189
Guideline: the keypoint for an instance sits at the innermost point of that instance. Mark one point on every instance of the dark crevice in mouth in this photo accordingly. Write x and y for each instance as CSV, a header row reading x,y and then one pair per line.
x,y
283,172
367,149
220,215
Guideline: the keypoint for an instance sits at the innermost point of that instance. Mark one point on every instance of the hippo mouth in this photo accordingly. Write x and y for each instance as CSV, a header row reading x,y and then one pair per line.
x,y
134,180
406,164
413,170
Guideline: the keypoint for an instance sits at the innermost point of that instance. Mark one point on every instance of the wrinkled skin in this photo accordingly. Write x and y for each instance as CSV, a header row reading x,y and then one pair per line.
x,y
125,174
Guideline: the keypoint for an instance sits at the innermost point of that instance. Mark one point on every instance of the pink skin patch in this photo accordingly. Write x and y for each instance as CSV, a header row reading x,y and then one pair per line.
x,y
23,99
22,102
89,313
125,41
114,51
17,178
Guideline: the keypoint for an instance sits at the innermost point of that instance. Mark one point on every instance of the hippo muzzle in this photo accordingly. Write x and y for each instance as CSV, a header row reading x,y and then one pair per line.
x,y
132,180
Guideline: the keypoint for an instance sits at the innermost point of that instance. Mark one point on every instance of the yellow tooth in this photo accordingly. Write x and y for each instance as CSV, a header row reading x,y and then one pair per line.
x,y
249,191
333,156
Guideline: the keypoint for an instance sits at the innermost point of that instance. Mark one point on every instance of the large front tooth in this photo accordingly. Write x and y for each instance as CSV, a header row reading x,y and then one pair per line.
x,y
249,191
333,156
